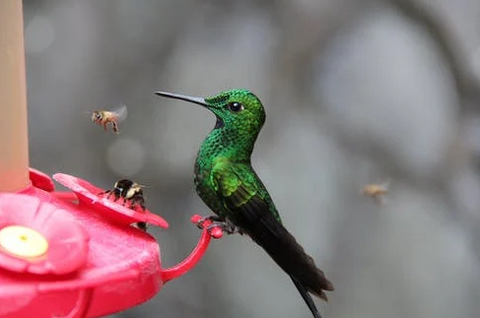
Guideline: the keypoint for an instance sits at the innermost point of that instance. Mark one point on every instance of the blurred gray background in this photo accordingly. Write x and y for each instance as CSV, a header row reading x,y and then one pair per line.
x,y
356,91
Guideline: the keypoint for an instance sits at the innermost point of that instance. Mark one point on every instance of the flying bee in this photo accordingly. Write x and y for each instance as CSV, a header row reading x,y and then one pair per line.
x,y
105,117
377,191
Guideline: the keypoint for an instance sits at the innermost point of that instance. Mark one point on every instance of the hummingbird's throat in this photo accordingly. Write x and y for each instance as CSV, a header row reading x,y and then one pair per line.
x,y
219,123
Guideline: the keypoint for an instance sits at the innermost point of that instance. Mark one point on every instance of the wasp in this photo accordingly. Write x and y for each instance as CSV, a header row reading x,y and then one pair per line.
x,y
130,192
377,191
105,117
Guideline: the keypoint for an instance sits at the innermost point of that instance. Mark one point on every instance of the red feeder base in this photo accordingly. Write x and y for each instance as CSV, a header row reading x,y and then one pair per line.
x,y
59,258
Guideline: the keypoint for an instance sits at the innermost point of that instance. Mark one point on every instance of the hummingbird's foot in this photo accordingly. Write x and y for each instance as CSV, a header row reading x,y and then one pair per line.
x,y
226,227
209,219
215,225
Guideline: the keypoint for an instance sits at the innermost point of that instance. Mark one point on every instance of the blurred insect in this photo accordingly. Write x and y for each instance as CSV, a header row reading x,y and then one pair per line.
x,y
141,225
104,117
132,193
377,191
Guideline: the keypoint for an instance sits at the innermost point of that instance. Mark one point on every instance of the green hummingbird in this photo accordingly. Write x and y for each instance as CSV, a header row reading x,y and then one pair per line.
x,y
228,185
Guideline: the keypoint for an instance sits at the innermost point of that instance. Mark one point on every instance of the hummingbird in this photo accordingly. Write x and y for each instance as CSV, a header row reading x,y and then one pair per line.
x,y
226,182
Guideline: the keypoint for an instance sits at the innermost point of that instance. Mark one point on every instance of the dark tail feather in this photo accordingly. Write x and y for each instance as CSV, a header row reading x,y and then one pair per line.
x,y
306,297
257,221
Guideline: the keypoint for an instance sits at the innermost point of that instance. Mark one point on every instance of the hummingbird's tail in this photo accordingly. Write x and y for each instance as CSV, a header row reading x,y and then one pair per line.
x,y
306,297
261,225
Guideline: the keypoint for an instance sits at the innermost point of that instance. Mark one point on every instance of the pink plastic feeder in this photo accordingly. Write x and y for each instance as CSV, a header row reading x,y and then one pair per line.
x,y
67,257
66,254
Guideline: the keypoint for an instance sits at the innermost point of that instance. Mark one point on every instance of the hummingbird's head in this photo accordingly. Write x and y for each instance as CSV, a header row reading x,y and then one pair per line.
x,y
238,109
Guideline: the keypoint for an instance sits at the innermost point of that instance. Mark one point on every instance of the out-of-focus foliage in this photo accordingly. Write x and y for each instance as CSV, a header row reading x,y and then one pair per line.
x,y
355,92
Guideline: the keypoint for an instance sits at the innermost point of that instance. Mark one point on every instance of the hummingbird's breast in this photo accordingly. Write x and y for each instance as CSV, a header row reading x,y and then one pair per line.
x,y
217,144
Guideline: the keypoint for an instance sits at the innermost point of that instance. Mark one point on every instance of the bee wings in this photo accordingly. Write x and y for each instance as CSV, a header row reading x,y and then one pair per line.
x,y
120,112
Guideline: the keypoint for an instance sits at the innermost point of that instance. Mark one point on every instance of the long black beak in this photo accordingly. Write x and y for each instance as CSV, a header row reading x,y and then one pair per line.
x,y
195,100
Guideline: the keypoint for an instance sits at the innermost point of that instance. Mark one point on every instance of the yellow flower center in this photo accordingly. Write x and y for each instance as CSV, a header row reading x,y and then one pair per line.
x,y
23,241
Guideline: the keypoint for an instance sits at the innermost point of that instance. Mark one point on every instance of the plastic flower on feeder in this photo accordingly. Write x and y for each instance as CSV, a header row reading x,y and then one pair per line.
x,y
60,250
90,196
38,237
41,180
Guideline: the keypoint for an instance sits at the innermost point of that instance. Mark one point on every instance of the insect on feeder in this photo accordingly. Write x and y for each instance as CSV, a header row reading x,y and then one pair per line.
x,y
65,254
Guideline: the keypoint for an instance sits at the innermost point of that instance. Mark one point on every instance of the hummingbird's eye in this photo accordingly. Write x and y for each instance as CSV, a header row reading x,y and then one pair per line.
x,y
235,107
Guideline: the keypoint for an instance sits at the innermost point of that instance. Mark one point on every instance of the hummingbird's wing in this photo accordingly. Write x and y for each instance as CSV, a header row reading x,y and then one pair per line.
x,y
250,208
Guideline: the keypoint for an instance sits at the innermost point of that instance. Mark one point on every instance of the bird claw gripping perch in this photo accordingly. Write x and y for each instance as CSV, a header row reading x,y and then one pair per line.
x,y
225,227
214,225
202,219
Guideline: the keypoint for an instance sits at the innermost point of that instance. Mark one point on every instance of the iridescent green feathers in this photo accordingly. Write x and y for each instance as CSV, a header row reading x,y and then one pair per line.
x,y
239,188
227,183
238,130
223,161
